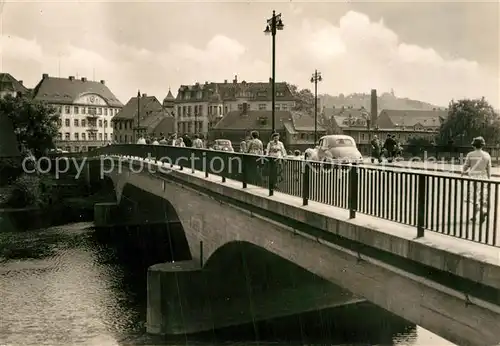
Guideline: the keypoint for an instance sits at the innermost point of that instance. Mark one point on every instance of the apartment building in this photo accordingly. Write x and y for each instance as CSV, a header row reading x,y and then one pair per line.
x,y
86,108
199,107
144,115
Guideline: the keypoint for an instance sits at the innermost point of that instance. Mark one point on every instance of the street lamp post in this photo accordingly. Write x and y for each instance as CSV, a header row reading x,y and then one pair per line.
x,y
138,113
316,77
273,24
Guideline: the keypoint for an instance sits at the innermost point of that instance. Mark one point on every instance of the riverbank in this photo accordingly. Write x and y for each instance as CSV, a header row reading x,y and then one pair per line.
x,y
66,210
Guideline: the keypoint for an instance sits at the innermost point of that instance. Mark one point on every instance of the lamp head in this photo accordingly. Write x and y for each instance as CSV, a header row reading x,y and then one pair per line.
x,y
280,25
267,31
312,79
320,78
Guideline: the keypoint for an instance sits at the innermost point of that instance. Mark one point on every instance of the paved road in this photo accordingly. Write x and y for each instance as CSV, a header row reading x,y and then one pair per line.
x,y
392,194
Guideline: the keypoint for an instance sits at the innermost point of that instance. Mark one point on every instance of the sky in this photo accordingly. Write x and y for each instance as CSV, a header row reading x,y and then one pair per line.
x,y
432,52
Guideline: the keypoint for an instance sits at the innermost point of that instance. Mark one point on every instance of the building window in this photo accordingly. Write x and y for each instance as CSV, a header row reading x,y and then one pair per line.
x,y
92,110
262,107
83,123
105,136
67,109
240,107
75,110
277,107
189,111
100,123
280,93
83,110
75,122
83,136
105,111
120,125
284,107
66,136
76,136
179,110
99,111
59,135
100,136
59,122
66,122
105,123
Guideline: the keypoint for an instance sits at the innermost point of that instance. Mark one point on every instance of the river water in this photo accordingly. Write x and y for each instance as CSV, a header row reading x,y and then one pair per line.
x,y
70,285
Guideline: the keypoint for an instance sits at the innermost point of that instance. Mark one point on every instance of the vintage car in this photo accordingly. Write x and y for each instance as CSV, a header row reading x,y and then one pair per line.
x,y
223,145
336,149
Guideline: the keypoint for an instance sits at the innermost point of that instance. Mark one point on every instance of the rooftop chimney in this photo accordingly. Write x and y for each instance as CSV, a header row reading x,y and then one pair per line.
x,y
206,83
84,79
144,95
71,77
374,108
20,82
225,81
103,82
235,80
45,75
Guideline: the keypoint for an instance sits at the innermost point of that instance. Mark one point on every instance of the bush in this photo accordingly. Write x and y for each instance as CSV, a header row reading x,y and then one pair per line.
x,y
10,169
29,191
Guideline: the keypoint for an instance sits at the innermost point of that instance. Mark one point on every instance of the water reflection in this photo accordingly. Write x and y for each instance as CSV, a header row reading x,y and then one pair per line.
x,y
70,285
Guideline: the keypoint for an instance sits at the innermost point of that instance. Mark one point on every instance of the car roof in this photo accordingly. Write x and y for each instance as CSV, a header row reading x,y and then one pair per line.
x,y
338,137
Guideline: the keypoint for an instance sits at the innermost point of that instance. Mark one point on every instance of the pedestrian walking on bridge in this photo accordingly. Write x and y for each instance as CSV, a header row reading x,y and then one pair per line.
x,y
376,149
478,165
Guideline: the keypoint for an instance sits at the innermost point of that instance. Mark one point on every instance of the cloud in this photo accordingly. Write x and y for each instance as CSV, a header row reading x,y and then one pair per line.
x,y
359,54
355,54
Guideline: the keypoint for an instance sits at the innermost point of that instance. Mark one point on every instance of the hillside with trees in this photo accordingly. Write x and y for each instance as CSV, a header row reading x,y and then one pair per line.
x,y
385,101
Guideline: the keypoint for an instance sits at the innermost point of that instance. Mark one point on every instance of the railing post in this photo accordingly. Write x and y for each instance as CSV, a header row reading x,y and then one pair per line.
x,y
191,159
244,169
306,175
353,191
421,204
272,175
205,164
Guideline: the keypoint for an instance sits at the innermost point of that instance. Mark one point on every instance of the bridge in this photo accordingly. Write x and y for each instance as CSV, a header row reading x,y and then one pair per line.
x,y
261,238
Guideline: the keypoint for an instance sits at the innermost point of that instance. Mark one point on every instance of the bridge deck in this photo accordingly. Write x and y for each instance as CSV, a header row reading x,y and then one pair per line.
x,y
478,251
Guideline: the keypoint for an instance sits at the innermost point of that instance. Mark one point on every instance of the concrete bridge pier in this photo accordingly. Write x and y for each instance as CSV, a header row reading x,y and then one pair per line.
x,y
185,298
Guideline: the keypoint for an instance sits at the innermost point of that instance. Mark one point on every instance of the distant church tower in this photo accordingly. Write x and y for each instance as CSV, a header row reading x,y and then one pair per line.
x,y
169,103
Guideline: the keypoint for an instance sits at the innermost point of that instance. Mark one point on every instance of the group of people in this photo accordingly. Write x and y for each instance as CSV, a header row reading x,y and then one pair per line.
x,y
391,148
253,145
173,140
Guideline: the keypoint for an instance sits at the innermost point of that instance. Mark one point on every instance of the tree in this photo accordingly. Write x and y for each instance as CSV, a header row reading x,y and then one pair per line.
x,y
35,123
416,145
304,99
469,118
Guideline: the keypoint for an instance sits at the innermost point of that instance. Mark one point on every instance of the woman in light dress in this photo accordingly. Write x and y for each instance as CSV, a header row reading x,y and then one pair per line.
x,y
478,165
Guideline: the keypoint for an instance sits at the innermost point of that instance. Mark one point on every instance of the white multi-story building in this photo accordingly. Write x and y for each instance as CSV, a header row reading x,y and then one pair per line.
x,y
86,109
199,107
